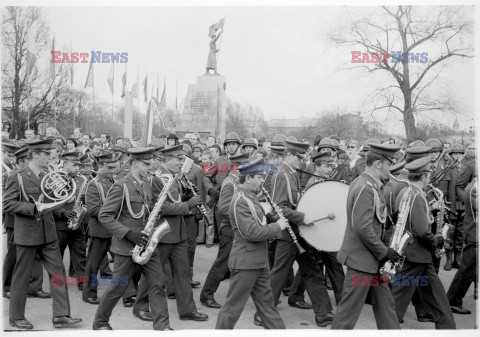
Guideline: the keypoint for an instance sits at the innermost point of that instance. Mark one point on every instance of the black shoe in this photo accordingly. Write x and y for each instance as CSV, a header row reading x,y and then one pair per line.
x,y
425,318
195,284
257,321
210,303
194,316
300,304
328,284
6,294
21,324
128,302
460,310
102,327
400,320
323,321
456,264
143,315
167,329
39,294
92,300
286,291
171,296
65,321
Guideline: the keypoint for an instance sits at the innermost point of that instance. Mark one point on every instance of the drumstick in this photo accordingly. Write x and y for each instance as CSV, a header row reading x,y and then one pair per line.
x,y
330,216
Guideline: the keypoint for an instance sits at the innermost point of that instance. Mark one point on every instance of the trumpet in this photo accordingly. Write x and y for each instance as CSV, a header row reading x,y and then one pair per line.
x,y
58,187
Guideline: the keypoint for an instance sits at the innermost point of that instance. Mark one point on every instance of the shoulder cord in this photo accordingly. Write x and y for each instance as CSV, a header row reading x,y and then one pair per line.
x,y
376,205
252,210
22,189
129,206
289,191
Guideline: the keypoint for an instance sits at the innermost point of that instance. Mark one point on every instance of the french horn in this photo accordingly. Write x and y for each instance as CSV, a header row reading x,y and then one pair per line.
x,y
57,186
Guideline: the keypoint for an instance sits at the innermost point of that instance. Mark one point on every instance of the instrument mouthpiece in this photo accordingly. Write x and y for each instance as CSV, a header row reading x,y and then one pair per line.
x,y
331,216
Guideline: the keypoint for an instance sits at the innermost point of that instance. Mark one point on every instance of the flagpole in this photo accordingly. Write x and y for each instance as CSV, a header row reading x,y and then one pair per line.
x,y
71,83
113,84
93,80
176,97
138,88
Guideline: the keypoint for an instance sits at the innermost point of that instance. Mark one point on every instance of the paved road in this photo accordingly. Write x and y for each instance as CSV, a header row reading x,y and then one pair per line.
x,y
40,315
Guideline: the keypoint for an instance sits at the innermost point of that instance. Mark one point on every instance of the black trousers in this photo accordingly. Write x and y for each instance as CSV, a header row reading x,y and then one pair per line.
x,y
455,236
36,280
152,274
51,258
191,225
243,283
434,294
176,254
285,254
219,268
97,250
334,271
466,274
353,298
75,240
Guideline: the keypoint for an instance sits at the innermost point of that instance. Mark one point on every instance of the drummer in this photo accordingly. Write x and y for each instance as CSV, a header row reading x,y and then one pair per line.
x,y
323,168
324,163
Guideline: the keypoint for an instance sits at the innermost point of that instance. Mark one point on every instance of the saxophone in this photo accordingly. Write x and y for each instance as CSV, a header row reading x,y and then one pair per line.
x,y
79,207
141,254
401,238
442,227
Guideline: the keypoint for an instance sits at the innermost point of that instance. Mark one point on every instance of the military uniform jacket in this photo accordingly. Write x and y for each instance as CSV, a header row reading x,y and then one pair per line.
x,y
251,232
217,173
466,176
126,207
172,210
196,177
285,193
60,214
447,186
229,188
418,224
358,168
97,191
123,171
362,247
470,221
16,200
8,218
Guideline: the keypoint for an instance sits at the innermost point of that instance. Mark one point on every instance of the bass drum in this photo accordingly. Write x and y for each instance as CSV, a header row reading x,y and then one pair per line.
x,y
326,202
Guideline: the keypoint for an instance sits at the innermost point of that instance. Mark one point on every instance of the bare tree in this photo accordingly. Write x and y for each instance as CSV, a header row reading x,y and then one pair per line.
x,y
25,92
408,29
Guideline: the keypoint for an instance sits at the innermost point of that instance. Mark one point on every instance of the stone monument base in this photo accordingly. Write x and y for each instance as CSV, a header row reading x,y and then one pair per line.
x,y
205,107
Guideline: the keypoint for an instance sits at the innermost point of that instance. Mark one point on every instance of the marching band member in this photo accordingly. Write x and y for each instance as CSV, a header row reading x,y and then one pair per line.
x,y
34,235
468,271
418,259
123,163
248,260
219,269
362,249
173,246
285,193
100,237
36,280
124,214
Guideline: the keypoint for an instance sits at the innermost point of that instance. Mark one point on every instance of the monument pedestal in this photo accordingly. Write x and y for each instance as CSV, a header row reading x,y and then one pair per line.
x,y
205,107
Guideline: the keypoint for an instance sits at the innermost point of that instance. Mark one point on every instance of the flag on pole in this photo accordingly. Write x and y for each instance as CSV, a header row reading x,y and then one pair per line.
x,y
124,84
158,86
110,79
145,88
163,101
216,26
135,90
148,126
52,65
31,55
89,81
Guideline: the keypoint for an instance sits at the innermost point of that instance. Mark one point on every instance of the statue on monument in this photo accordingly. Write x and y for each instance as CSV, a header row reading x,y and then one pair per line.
x,y
215,32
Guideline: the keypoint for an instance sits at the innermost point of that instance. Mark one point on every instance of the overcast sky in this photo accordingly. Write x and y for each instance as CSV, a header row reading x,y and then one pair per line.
x,y
278,58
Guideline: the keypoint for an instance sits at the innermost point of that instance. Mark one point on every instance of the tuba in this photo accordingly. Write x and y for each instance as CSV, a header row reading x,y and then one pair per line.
x,y
141,254
79,208
58,187
401,238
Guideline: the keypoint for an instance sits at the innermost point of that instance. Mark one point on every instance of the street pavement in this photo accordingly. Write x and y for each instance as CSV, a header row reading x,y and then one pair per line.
x,y
39,311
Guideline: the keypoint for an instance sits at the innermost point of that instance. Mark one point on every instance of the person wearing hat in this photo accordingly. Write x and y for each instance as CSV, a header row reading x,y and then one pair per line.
x,y
73,238
124,214
123,161
100,237
468,271
285,190
418,255
173,245
446,184
248,259
33,234
279,140
172,140
324,164
219,269
359,165
362,250
36,280
250,146
8,163
342,170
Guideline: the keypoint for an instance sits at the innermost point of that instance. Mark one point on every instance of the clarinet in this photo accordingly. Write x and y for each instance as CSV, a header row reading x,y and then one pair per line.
x,y
280,214
194,190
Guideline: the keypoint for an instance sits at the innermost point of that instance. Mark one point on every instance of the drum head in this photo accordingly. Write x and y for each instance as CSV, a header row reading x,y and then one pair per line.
x,y
321,200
